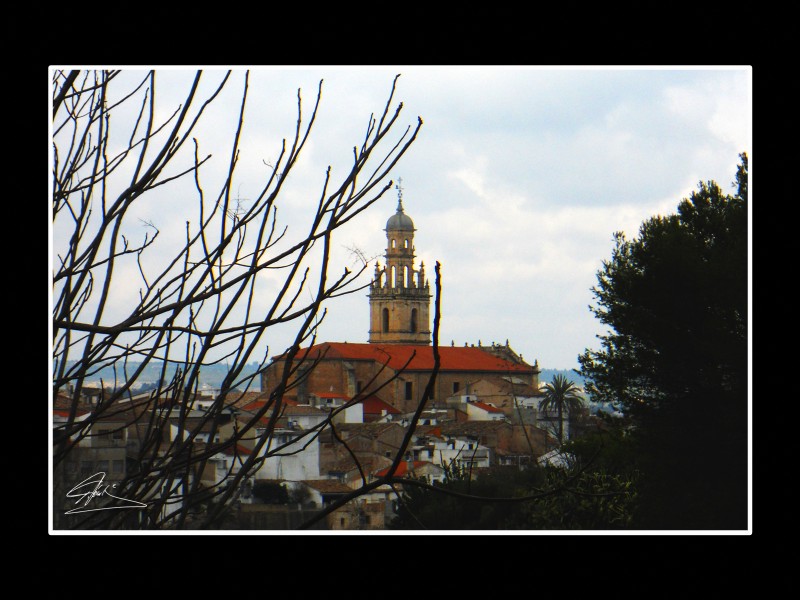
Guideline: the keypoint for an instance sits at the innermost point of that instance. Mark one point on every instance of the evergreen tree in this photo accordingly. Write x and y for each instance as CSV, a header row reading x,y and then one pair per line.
x,y
675,300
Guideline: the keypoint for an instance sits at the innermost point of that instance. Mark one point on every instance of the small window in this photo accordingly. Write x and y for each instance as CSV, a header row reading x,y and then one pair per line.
x,y
86,467
456,386
341,521
406,243
394,244
409,390
117,435
102,465
118,466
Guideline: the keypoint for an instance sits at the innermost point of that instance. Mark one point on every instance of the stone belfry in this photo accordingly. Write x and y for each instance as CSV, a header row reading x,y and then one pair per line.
x,y
399,296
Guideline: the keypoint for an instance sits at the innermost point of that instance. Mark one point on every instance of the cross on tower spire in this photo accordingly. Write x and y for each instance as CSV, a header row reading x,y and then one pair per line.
x,y
399,188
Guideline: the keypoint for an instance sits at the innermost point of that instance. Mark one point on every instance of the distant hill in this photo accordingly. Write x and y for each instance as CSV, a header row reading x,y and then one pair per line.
x,y
210,376
546,376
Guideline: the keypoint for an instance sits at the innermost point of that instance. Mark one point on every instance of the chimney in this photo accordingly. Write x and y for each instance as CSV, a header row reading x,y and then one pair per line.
x,y
409,463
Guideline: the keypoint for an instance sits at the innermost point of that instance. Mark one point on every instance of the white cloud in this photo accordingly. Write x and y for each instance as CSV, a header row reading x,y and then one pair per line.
x,y
516,183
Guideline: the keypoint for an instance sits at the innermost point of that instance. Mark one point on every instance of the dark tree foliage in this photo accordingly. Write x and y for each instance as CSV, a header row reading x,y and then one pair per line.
x,y
539,498
604,494
596,500
675,299
270,492
424,508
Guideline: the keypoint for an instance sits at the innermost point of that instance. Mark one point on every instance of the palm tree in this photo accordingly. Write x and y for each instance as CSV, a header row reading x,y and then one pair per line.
x,y
560,395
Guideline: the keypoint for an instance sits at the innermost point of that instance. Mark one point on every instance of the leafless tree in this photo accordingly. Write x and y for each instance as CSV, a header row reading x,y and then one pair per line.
x,y
122,300
197,305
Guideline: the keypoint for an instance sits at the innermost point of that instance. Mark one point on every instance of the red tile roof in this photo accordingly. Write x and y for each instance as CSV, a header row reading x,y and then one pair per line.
x,y
302,409
487,407
402,468
257,405
395,356
374,405
65,413
254,406
64,402
239,450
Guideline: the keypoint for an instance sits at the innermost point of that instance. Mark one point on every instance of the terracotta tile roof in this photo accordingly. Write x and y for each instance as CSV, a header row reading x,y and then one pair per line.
x,y
254,406
302,409
244,400
328,486
65,413
64,402
423,430
238,396
240,450
402,468
395,356
263,422
487,407
374,405
473,427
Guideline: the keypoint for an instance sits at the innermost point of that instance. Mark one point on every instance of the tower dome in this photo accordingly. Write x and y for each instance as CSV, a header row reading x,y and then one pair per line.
x,y
400,221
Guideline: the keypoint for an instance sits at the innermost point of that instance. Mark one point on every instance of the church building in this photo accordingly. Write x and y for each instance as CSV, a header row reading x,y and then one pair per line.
x,y
396,363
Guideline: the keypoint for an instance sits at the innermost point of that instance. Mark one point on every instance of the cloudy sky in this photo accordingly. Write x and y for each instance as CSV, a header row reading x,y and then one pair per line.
x,y
516,183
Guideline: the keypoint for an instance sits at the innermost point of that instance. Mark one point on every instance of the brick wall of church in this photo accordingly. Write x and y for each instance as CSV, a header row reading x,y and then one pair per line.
x,y
333,376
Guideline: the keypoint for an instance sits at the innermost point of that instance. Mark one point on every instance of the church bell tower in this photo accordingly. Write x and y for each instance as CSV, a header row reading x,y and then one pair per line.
x,y
399,296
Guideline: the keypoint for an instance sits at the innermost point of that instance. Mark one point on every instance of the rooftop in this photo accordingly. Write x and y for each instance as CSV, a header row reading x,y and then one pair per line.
x,y
374,405
402,468
400,221
416,357
472,427
327,486
487,407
